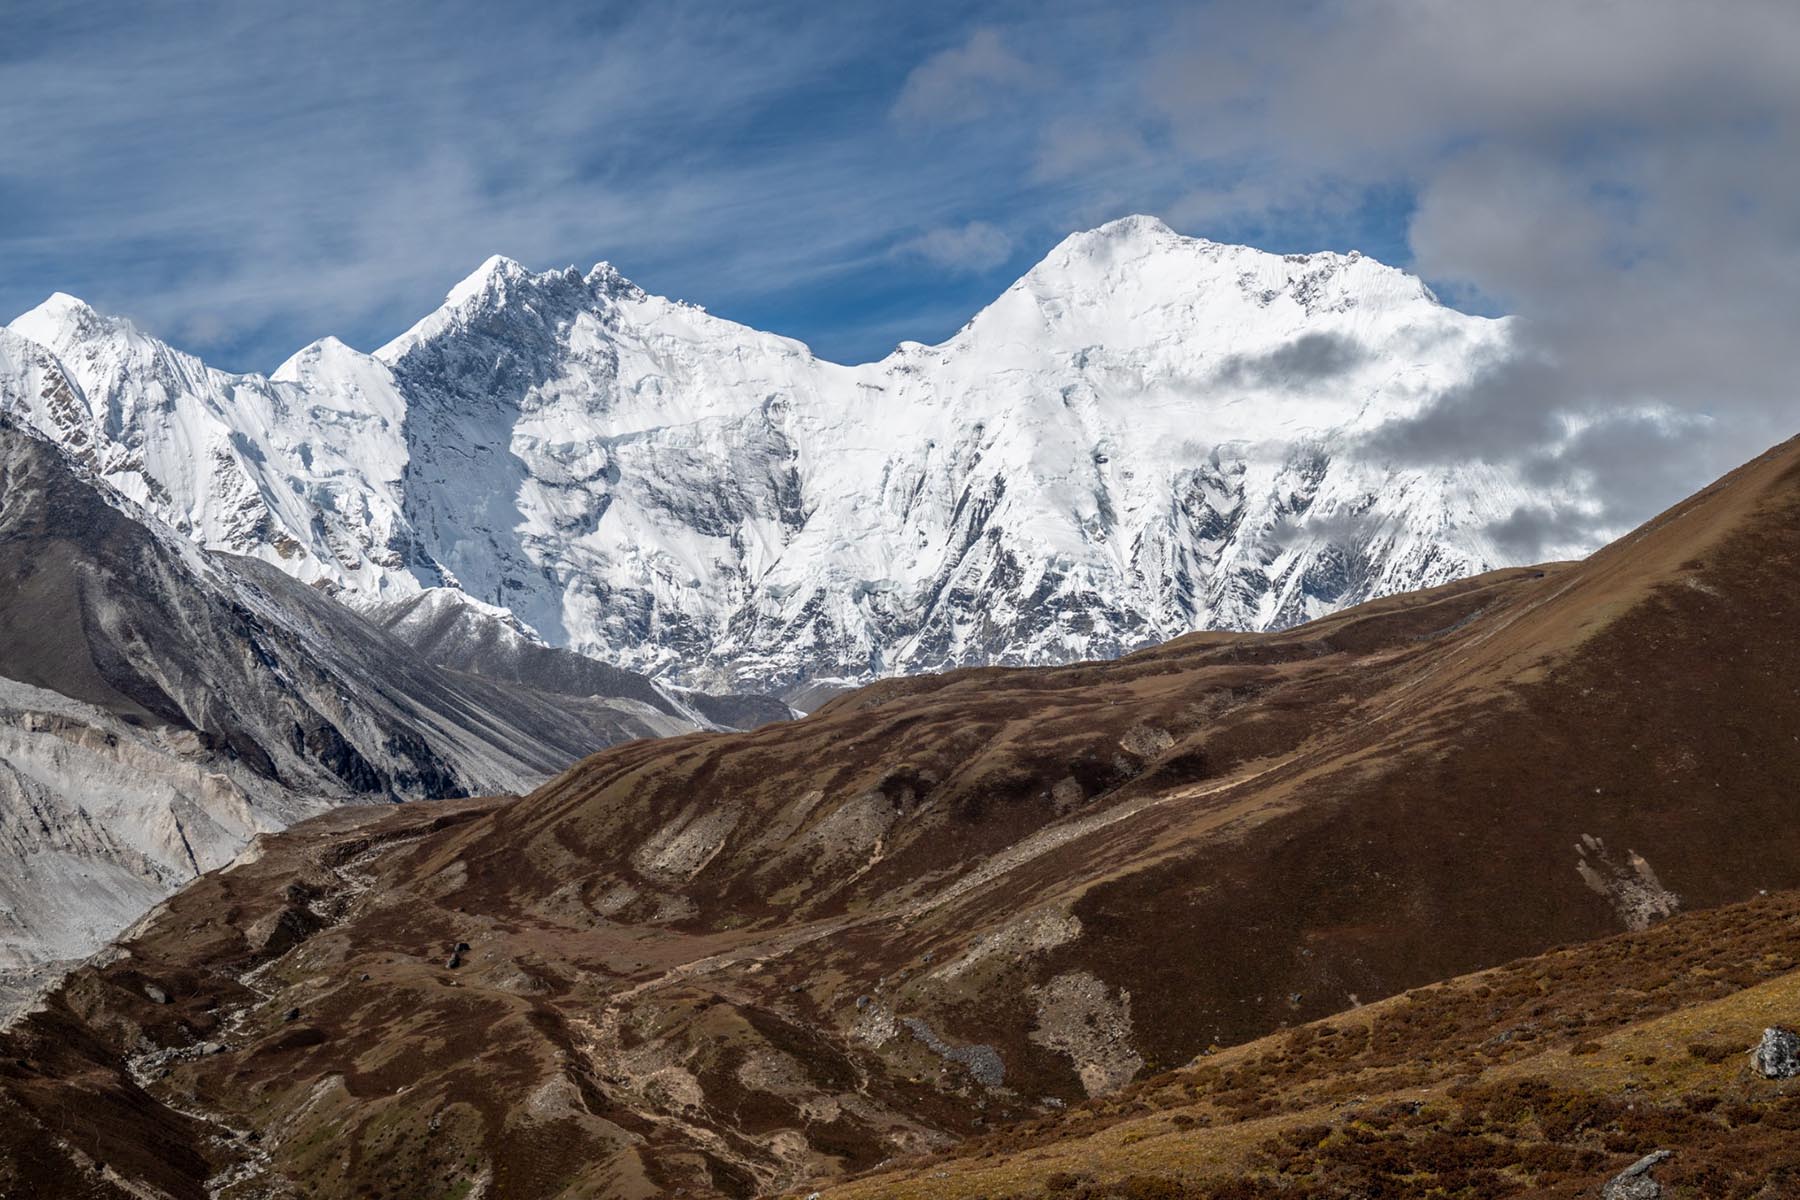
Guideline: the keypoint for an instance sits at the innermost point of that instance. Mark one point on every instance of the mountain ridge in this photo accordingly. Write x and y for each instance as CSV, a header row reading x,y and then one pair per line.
x,y
1145,434
162,704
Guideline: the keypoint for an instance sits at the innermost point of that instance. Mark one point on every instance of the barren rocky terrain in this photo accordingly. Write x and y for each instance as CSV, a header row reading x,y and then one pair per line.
x,y
1542,1078
160,705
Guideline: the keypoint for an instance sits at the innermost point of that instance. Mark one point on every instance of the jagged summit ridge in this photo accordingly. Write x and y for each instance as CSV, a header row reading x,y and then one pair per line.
x,y
489,277
1147,433
501,283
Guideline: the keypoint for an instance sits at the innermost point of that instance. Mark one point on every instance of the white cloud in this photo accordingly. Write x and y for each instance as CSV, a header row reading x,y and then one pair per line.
x,y
1624,176
964,83
974,248
1075,146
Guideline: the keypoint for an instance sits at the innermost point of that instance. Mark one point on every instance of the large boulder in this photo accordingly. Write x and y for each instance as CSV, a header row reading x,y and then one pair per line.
x,y
1777,1056
1636,1181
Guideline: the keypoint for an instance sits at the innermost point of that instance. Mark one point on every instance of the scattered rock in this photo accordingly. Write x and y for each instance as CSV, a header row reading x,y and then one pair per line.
x,y
156,994
1635,1182
982,1062
365,977
682,849
1034,933
1081,1017
292,1014
1631,886
1146,741
875,1025
1777,1056
281,931
454,961
1067,794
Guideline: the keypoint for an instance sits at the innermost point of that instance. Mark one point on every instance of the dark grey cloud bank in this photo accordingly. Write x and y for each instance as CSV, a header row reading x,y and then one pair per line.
x,y
1310,358
1623,175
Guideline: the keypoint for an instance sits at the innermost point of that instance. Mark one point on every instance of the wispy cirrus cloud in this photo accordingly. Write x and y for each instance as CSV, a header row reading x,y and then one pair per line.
x,y
974,247
965,83
242,178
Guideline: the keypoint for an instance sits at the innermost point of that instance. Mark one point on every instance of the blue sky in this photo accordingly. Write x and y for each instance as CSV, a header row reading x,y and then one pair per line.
x,y
1622,175
243,178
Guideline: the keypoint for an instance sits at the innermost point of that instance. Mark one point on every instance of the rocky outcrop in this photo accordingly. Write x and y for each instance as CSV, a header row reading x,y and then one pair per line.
x,y
1636,1181
1080,1017
1631,885
1777,1056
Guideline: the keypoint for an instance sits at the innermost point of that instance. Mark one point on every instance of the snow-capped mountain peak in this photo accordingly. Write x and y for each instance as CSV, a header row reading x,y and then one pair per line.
x,y
65,321
486,287
489,280
57,310
1141,255
1145,434
605,280
501,284
306,362
1135,235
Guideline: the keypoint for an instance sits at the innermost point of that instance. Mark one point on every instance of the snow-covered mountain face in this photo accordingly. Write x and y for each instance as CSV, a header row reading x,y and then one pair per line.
x,y
1145,435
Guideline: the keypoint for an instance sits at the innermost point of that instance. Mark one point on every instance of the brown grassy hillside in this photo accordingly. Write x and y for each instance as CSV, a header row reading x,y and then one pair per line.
x,y
1541,1078
732,963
